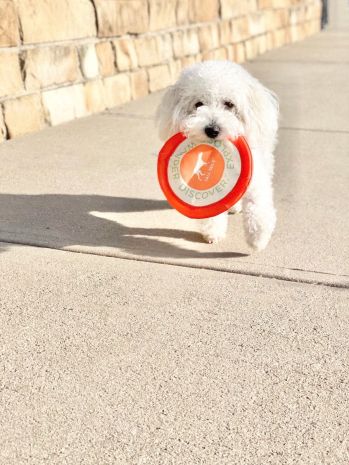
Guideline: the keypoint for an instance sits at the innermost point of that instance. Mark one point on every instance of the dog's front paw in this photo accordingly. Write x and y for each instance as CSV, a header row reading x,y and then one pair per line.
x,y
214,229
258,242
259,228
213,237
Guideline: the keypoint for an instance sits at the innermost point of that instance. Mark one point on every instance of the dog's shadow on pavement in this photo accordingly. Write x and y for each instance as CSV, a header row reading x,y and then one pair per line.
x,y
62,220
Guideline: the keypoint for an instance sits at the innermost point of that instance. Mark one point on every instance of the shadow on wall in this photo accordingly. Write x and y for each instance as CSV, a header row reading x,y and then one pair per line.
x,y
59,221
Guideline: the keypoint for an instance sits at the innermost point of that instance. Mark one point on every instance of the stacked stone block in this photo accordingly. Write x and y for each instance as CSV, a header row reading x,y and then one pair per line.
x,y
65,59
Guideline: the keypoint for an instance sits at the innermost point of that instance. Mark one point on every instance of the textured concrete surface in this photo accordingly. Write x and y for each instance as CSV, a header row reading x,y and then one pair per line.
x,y
201,358
338,15
110,361
309,92
313,49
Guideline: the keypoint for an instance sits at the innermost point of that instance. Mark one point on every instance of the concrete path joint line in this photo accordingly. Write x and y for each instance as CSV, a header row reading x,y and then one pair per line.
x,y
266,275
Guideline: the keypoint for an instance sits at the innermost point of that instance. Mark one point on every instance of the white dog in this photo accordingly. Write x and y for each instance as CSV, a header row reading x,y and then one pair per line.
x,y
214,99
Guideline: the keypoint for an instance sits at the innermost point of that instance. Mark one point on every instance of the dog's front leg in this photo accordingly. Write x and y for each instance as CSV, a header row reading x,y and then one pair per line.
x,y
258,209
214,229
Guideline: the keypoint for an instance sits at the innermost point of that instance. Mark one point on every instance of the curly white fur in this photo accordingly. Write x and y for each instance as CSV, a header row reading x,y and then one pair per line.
x,y
254,114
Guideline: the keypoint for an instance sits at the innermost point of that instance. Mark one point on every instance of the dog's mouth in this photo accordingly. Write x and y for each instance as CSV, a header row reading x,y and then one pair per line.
x,y
210,130
206,134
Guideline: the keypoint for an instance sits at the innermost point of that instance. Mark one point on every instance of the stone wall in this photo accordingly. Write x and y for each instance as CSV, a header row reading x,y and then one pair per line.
x,y
63,59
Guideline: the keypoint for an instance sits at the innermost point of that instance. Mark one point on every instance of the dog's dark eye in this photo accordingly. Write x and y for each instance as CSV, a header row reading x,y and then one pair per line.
x,y
198,104
229,105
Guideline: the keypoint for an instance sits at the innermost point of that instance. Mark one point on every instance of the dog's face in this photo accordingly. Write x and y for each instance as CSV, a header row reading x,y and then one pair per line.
x,y
213,100
211,113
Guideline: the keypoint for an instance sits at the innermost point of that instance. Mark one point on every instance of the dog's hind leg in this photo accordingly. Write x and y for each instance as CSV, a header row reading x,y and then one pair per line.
x,y
258,209
214,229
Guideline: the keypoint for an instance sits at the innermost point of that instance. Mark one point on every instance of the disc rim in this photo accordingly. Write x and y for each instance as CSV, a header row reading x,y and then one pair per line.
x,y
218,207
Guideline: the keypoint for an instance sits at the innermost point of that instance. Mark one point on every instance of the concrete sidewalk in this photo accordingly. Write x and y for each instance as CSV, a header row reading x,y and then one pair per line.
x,y
209,355
90,186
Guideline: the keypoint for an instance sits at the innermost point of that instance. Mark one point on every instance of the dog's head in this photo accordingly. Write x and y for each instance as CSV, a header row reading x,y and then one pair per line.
x,y
216,99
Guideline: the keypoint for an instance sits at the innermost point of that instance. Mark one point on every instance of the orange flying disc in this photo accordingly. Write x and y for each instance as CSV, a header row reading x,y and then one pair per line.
x,y
204,179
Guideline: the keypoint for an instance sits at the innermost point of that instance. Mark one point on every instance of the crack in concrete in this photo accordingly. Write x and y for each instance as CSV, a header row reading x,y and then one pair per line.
x,y
265,275
128,115
303,62
334,131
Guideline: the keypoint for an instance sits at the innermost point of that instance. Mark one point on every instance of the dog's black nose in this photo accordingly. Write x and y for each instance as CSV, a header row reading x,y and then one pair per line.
x,y
212,131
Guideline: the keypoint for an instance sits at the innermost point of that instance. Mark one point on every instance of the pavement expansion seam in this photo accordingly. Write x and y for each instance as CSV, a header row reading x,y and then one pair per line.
x,y
303,62
264,275
332,131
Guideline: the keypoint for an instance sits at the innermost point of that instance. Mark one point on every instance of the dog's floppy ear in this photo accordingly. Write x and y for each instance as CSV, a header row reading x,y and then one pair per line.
x,y
166,115
262,114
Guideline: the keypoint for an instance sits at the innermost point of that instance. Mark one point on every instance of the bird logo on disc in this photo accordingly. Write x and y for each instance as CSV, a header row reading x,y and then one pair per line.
x,y
202,167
